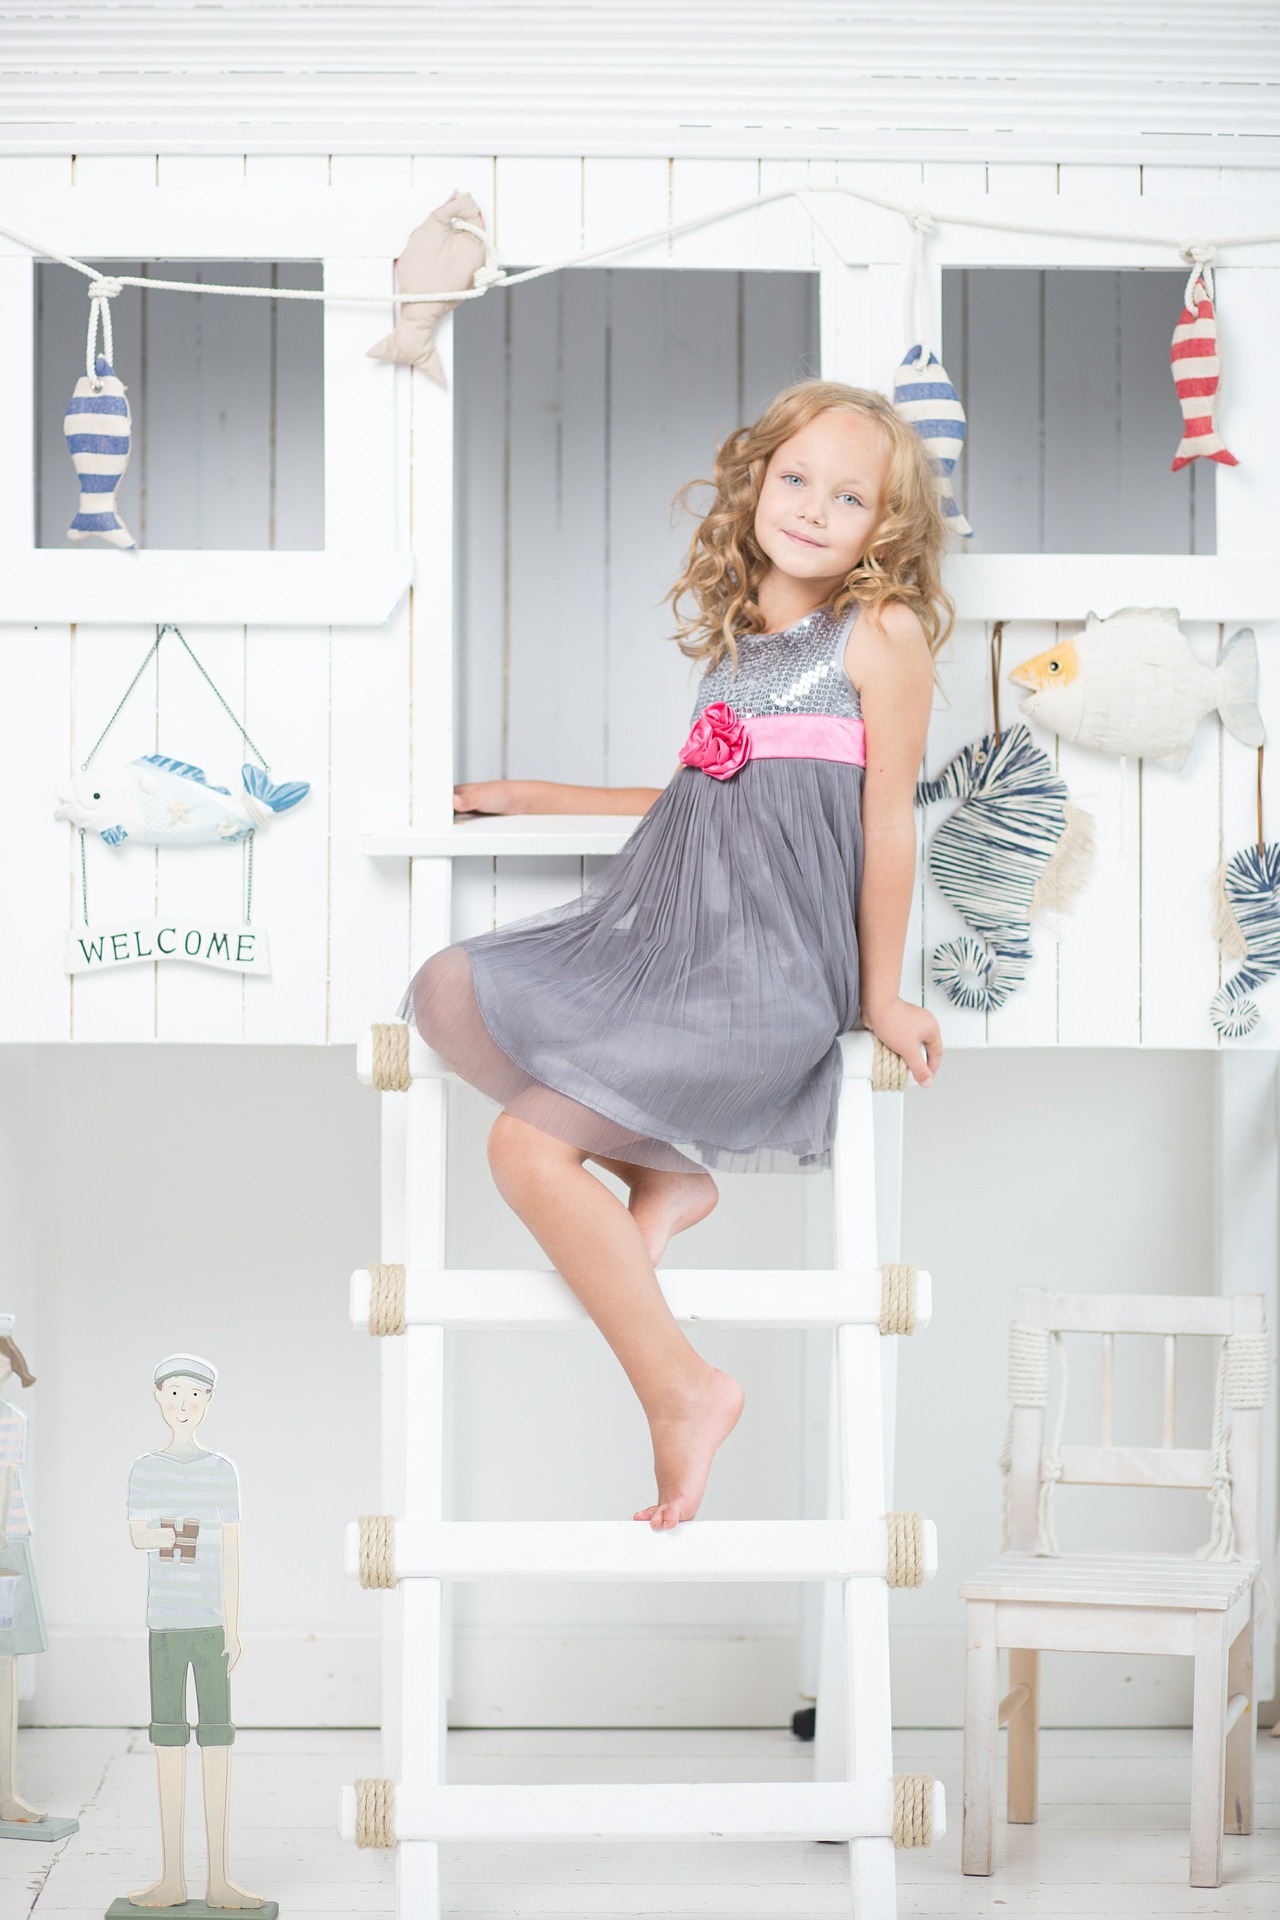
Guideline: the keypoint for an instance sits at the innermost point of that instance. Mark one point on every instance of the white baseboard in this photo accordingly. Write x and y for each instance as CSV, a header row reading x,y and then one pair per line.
x,y
505,1678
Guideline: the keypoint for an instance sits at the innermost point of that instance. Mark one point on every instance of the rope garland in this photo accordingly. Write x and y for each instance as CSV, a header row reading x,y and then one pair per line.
x,y
375,1813
386,1300
898,1299
905,1563
1198,253
912,1810
391,1057
1242,1383
378,1550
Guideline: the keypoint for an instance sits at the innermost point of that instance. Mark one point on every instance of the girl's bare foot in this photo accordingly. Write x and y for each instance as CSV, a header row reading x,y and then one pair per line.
x,y
663,1204
685,1437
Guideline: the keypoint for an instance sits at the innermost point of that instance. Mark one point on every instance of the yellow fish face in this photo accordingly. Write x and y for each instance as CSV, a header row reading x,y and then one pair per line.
x,y
1059,667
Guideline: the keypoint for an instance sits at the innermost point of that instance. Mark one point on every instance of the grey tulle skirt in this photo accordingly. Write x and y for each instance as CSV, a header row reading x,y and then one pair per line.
x,y
683,1011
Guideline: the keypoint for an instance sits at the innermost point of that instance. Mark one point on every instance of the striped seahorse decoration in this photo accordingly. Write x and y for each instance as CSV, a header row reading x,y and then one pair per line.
x,y
1013,848
1249,915
97,427
924,395
1197,370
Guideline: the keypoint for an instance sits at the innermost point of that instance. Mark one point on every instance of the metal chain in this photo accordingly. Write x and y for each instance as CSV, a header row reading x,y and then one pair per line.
x,y
248,888
124,696
237,724
84,879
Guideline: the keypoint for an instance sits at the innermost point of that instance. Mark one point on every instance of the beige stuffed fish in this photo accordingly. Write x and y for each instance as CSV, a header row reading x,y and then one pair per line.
x,y
435,255
1130,684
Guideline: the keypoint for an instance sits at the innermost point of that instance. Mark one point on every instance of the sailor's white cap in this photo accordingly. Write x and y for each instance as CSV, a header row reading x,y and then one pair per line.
x,y
6,1324
189,1366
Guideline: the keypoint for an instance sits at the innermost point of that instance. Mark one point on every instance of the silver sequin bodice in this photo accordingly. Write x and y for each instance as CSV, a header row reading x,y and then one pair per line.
x,y
800,670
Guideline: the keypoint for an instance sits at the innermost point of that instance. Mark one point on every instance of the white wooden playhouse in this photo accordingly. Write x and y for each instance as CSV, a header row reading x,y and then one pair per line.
x,y
396,585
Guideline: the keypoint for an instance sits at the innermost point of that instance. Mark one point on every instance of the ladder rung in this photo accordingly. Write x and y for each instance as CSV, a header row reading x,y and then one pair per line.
x,y
750,1810
721,1296
857,1051
633,1550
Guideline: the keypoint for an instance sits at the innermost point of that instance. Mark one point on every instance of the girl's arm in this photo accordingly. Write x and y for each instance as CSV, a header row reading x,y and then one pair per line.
x,y
896,675
549,796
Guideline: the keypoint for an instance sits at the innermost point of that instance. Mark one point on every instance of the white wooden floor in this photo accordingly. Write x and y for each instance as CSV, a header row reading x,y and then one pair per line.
x,y
1111,1841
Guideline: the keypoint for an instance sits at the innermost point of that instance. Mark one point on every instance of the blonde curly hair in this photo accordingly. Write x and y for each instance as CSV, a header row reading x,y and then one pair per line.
x,y
902,560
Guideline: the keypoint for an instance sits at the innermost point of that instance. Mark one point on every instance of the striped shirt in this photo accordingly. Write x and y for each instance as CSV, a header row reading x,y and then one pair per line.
x,y
13,1451
185,1591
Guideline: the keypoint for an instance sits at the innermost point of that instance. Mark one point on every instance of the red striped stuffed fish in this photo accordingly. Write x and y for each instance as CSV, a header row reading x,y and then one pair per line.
x,y
1197,364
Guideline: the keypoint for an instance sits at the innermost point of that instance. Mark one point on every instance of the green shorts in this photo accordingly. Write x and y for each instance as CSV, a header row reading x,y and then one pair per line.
x,y
172,1651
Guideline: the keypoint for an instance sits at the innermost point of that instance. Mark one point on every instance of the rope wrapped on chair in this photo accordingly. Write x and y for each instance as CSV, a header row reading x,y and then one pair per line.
x,y
391,1057
912,1810
1029,1354
1243,1382
375,1813
898,1299
386,1300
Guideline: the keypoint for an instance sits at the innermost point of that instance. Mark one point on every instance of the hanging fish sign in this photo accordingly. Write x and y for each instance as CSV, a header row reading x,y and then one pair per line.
x,y
1196,361
97,428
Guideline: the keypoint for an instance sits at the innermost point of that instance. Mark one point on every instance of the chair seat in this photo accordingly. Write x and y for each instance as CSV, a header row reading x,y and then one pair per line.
x,y
1113,1580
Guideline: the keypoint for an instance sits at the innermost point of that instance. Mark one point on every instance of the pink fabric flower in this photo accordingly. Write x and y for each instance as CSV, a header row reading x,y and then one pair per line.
x,y
718,741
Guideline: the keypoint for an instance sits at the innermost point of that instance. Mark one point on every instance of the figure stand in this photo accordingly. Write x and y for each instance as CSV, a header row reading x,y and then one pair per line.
x,y
22,1627
184,1513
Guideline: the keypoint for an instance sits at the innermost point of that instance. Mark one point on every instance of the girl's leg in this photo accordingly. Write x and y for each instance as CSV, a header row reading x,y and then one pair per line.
x,y
598,1247
663,1204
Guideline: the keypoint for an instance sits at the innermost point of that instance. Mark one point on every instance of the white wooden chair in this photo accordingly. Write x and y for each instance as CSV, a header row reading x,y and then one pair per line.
x,y
1034,1599
417,1551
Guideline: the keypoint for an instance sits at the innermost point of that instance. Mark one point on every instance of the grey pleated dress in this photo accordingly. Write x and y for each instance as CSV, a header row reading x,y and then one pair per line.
x,y
683,1011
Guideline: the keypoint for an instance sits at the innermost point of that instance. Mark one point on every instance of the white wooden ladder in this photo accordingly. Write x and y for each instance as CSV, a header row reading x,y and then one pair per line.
x,y
859,1549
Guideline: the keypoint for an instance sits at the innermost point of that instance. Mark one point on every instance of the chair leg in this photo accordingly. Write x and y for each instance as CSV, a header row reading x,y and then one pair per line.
x,y
1208,1749
981,1726
1024,1738
1242,1739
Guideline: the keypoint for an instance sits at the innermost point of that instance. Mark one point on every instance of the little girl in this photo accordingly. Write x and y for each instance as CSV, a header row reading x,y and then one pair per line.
x,y
682,1014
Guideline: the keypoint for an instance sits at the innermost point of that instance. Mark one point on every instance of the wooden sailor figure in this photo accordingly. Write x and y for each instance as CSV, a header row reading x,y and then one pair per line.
x,y
21,1620
184,1513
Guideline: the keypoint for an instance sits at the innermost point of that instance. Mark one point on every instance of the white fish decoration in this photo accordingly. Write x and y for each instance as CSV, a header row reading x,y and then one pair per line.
x,y
97,429
1131,684
169,803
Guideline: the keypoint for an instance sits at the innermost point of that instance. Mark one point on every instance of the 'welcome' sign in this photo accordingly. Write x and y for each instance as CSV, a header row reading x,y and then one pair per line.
x,y
236,949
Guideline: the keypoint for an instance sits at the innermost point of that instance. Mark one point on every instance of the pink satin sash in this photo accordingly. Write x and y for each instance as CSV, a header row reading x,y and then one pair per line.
x,y
807,736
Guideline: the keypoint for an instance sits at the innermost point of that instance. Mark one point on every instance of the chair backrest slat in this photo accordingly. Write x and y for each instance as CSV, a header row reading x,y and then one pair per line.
x,y
1140,1313
1169,1402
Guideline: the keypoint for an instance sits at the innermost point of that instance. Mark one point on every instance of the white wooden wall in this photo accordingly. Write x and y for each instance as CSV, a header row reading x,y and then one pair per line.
x,y
612,389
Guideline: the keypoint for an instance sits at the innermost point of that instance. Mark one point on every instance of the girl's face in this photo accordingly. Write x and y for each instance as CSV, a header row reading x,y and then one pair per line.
x,y
821,497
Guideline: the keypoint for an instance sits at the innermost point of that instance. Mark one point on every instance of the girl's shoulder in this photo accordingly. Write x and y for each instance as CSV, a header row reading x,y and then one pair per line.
x,y
886,636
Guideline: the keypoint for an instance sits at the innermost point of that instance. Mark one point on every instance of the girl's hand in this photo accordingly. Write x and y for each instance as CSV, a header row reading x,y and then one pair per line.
x,y
492,796
906,1028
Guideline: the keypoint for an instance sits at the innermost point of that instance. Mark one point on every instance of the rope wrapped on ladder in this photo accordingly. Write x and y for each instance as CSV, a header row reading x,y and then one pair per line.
x,y
378,1550
376,1813
1243,1381
889,1072
912,1810
898,1299
905,1564
391,1057
1029,1350
386,1300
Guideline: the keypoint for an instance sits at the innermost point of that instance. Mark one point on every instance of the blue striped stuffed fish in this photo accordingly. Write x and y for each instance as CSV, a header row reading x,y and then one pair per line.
x,y
1247,926
924,395
97,430
1014,848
